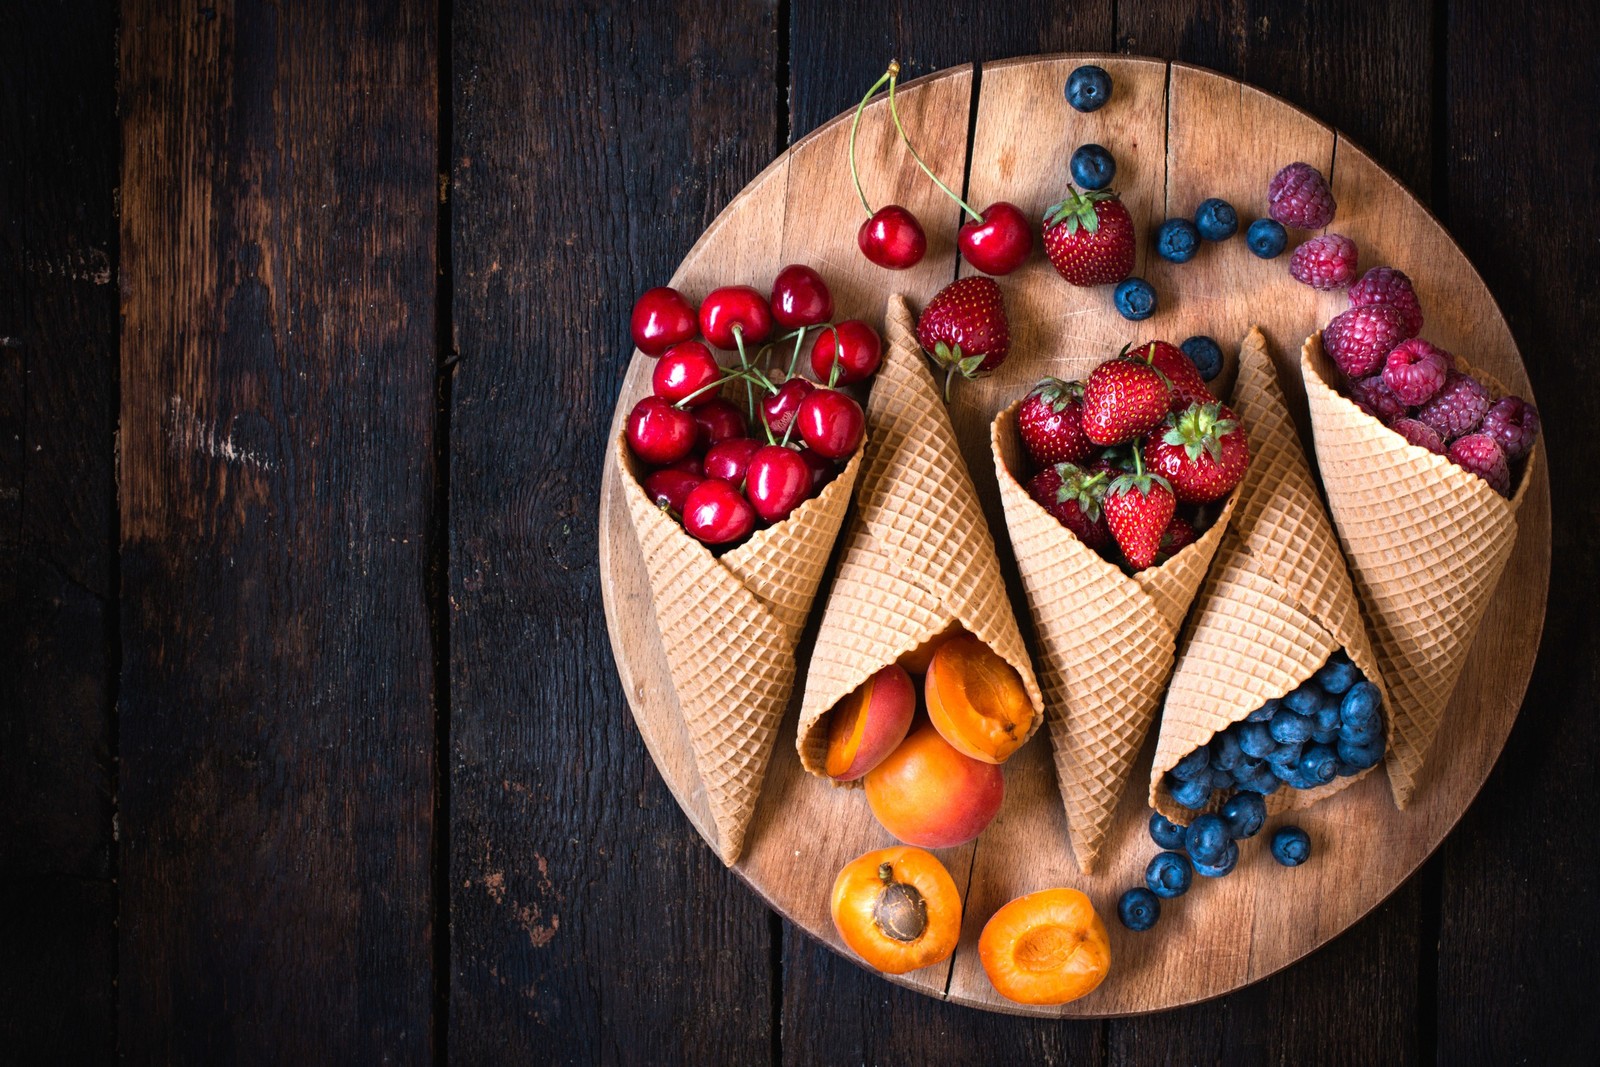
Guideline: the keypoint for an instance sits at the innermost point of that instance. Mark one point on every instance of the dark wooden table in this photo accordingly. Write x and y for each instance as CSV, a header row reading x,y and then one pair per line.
x,y
311,320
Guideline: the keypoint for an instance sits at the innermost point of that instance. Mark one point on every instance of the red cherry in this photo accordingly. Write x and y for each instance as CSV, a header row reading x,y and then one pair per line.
x,y
661,318
859,351
778,408
690,464
682,371
999,242
728,459
800,297
777,482
892,238
718,421
821,468
735,306
670,487
831,423
659,433
716,513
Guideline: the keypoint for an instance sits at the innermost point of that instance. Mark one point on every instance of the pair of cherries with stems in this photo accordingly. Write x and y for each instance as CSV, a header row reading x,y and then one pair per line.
x,y
996,240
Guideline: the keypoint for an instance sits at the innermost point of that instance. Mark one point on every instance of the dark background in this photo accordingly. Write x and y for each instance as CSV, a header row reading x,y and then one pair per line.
x,y
311,322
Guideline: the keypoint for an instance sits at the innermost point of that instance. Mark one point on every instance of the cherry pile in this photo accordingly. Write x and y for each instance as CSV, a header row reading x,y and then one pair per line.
x,y
721,469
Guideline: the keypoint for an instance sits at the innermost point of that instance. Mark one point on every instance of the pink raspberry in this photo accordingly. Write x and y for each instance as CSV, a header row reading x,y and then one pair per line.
x,y
1326,262
1299,196
1416,370
1457,408
1483,456
1358,339
1514,423
1420,434
1385,285
1374,396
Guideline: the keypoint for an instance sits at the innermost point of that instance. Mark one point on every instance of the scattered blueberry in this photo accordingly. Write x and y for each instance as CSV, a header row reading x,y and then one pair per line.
x,y
1205,354
1092,167
1135,299
1177,240
1088,88
1216,220
1192,766
1138,909
1165,832
1289,727
1361,703
1265,712
1338,675
1207,838
1225,751
1169,875
1360,757
1244,813
1225,863
1266,238
1291,846
1304,698
1192,795
1255,739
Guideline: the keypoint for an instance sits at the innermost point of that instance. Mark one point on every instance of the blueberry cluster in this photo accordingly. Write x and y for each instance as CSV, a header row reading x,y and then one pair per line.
x,y
1178,240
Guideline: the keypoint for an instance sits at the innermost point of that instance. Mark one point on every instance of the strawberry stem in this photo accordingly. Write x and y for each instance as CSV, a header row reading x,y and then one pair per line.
x,y
949,376
894,113
888,76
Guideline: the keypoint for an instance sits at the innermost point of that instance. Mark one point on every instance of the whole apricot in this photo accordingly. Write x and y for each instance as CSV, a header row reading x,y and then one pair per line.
x,y
1048,947
926,793
976,700
870,723
898,909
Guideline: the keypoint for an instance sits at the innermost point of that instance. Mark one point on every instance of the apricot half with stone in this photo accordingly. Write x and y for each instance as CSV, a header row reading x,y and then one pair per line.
x,y
898,909
1047,947
868,724
926,793
976,700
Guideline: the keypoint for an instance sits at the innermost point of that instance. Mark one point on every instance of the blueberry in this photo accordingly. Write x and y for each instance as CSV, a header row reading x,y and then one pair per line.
x,y
1225,751
1207,838
1318,764
1138,909
1361,733
1135,299
1324,737
1361,703
1088,88
1348,770
1285,755
1224,864
1255,739
1177,240
1291,846
1267,784
1244,813
1192,795
1361,756
1194,765
1266,238
1169,875
1205,354
1216,220
1092,167
1165,832
1304,698
1328,717
1264,713
1338,675
1289,728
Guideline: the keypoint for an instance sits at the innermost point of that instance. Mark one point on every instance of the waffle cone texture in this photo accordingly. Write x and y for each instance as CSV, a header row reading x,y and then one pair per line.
x,y
1276,605
729,626
1427,543
918,555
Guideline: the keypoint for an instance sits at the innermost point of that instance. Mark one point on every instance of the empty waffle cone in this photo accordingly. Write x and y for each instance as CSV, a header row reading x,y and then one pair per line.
x,y
918,555
729,627
1277,604
1427,543
1106,642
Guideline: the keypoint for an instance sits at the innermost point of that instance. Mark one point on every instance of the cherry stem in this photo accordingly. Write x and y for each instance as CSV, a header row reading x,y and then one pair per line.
x,y
888,76
894,113
731,376
833,370
794,359
744,362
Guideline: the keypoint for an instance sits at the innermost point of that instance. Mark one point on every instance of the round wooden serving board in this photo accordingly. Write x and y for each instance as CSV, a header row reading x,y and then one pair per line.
x,y
1179,135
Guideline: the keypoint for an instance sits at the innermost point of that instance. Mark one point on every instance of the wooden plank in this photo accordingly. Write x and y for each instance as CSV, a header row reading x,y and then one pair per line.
x,y
590,924
278,237
58,322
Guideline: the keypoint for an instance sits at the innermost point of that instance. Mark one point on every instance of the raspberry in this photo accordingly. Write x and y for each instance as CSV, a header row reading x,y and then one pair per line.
x,y
1358,339
1514,423
1457,408
1483,456
1326,262
1374,396
1299,196
1420,434
1416,370
1385,285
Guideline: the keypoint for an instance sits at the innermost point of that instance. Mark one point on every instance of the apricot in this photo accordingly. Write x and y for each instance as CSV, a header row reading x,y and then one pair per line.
x,y
870,723
976,700
1047,947
916,661
926,793
898,909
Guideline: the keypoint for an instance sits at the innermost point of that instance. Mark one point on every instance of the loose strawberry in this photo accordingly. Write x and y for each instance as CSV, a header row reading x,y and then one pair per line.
x,y
1123,399
964,330
1089,238
1187,385
1074,497
1203,452
1178,536
1050,421
1138,509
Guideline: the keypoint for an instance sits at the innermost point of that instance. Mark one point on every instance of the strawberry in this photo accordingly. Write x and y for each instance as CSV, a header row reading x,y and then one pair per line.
x,y
1178,536
1050,421
1089,238
1138,509
1203,452
1187,385
964,328
1123,399
1073,496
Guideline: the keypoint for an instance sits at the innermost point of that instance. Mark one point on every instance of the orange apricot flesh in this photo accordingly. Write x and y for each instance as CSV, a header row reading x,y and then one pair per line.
x,y
869,724
976,700
898,909
1048,947
926,793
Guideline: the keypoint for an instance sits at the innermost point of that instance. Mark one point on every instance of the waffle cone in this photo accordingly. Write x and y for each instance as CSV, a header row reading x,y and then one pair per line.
x,y
1277,604
729,626
1427,543
918,555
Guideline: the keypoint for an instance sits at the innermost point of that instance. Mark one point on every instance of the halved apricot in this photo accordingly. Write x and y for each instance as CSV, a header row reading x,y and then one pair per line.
x,y
1047,947
868,724
916,661
976,700
898,909
926,793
